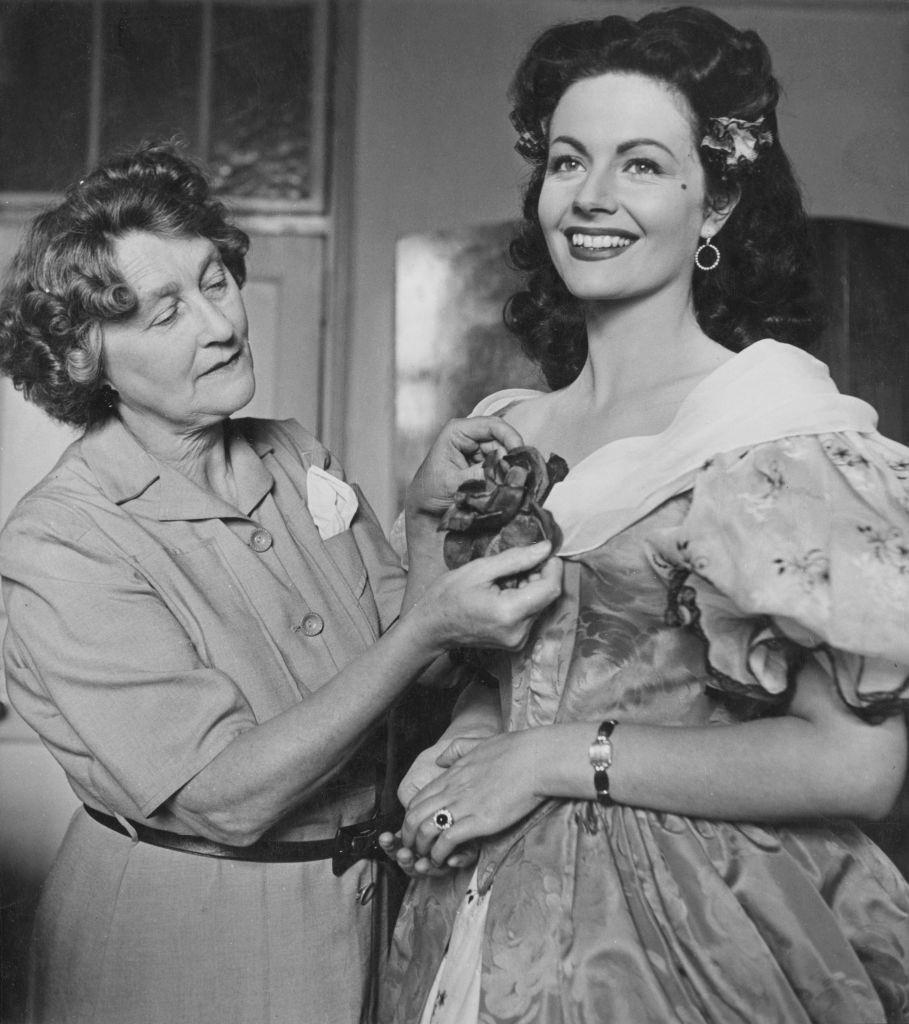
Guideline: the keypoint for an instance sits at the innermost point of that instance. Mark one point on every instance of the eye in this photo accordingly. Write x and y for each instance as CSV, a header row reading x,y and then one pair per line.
x,y
564,162
167,316
215,284
641,166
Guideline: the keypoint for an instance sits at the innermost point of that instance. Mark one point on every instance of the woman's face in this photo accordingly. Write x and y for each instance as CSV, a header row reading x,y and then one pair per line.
x,y
181,361
623,201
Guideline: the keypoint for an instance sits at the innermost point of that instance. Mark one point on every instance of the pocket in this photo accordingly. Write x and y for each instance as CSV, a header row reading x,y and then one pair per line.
x,y
343,551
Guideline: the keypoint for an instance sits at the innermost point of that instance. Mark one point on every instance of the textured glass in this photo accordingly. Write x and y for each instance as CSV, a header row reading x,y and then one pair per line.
x,y
151,73
44,94
262,106
451,346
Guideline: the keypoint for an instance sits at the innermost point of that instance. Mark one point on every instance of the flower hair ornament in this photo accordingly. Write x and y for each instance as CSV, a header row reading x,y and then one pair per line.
x,y
736,142
531,144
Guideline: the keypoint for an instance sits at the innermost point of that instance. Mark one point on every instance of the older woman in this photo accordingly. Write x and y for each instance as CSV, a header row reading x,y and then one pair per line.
x,y
199,627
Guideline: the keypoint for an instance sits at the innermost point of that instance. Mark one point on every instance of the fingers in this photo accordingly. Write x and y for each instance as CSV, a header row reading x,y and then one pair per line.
x,y
484,433
537,592
414,866
455,750
513,561
431,842
470,606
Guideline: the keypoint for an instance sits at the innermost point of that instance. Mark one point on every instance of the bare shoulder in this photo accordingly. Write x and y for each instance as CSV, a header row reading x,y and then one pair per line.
x,y
531,415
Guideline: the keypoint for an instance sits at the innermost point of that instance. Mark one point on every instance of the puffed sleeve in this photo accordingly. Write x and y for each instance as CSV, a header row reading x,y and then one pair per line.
x,y
800,548
101,668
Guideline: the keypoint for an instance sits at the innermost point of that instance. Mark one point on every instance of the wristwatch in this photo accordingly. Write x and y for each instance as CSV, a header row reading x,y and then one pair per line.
x,y
600,754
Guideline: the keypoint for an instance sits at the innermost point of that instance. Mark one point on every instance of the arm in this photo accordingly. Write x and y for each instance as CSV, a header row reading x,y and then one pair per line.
x,y
147,725
476,715
298,752
818,760
267,769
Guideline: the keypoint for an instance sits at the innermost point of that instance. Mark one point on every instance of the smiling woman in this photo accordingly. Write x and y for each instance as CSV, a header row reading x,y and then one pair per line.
x,y
660,789
624,184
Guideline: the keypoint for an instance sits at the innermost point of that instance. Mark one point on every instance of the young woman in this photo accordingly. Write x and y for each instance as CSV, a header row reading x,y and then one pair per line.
x,y
658,788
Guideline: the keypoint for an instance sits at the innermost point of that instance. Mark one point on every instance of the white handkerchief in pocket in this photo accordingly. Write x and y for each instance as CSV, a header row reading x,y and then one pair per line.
x,y
331,502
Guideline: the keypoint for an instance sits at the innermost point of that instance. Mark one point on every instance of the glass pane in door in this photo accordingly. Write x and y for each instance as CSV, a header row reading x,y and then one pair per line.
x,y
45,61
151,68
263,102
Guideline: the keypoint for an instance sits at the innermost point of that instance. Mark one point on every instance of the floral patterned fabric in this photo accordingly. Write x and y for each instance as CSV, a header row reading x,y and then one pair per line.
x,y
793,547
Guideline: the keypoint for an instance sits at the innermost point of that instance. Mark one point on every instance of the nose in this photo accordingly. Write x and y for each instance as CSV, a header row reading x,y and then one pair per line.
x,y
596,194
214,326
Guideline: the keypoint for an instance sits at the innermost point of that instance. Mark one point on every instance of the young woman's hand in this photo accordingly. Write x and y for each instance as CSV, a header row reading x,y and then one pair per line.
x,y
489,785
428,766
430,763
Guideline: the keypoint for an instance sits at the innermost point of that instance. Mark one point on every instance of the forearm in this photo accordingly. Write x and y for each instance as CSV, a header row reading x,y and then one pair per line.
x,y
478,711
425,560
770,769
279,764
275,766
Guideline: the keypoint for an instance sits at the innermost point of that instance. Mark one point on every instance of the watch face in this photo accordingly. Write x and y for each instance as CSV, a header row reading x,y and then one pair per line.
x,y
600,754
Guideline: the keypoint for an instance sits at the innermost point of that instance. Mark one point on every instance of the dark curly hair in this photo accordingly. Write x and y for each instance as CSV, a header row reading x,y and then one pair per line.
x,y
64,281
764,285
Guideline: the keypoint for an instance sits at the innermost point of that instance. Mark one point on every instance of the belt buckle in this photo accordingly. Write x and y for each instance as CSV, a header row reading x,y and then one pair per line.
x,y
353,843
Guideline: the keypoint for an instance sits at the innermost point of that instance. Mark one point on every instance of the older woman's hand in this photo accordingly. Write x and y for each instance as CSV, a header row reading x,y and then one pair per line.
x,y
457,455
414,865
468,607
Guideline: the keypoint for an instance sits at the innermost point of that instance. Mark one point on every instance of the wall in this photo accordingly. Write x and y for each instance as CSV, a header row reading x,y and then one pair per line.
x,y
434,146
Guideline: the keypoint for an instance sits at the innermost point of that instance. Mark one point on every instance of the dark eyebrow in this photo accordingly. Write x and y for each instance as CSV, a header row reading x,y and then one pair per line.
x,y
634,143
568,140
621,149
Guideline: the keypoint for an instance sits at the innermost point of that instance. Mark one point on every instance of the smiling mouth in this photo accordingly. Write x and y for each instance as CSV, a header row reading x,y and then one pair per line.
x,y
598,243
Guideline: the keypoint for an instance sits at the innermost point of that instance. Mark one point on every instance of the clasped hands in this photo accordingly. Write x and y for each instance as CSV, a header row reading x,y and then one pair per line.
x,y
483,783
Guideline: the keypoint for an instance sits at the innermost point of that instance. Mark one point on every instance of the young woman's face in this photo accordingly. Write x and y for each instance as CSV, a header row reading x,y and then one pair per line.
x,y
623,202
182,359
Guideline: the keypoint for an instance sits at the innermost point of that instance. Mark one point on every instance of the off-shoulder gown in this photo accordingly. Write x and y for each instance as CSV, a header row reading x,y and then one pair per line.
x,y
769,523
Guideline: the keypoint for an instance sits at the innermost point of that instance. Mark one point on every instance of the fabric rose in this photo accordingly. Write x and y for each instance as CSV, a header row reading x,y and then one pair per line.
x,y
504,509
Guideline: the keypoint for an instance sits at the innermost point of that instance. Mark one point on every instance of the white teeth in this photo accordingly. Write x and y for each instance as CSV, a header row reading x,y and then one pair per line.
x,y
600,241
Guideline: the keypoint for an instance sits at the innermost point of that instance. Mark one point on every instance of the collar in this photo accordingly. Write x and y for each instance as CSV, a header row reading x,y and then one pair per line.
x,y
129,475
764,393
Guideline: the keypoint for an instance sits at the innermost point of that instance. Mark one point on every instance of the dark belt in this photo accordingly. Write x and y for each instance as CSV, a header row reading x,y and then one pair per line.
x,y
350,843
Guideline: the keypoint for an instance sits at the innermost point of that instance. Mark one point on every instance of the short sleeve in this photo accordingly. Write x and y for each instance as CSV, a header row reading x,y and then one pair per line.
x,y
102,670
797,548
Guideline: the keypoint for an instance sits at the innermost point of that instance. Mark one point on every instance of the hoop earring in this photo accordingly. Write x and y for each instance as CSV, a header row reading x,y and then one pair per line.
x,y
716,256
